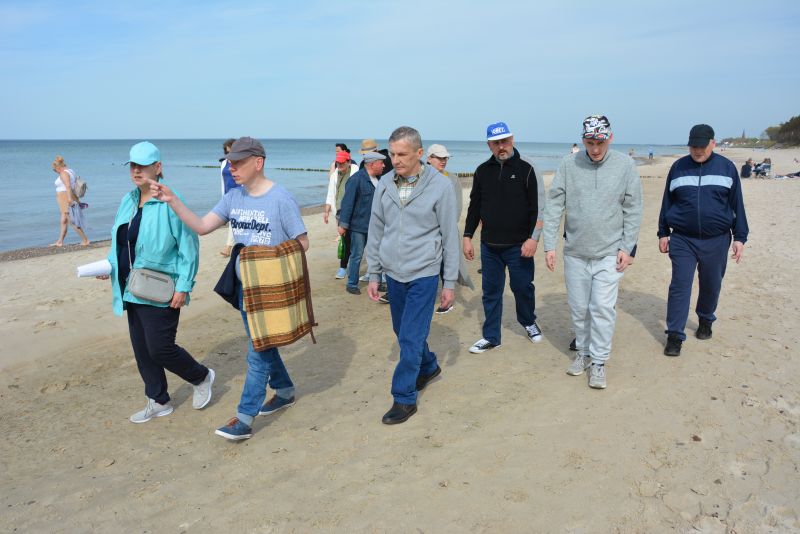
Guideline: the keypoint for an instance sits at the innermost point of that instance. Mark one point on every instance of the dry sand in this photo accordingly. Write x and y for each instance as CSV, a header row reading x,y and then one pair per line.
x,y
504,442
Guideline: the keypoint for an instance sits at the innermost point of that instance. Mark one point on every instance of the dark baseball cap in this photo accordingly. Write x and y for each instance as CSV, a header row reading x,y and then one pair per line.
x,y
700,135
244,147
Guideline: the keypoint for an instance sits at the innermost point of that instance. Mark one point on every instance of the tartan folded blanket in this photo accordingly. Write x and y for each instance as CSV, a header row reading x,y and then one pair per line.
x,y
277,294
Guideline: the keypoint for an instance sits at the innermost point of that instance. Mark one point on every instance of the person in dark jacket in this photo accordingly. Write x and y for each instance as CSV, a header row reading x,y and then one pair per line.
x,y
355,212
507,199
701,208
747,168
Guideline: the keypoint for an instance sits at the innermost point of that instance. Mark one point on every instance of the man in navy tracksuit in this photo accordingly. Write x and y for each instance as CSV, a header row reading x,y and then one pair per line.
x,y
702,207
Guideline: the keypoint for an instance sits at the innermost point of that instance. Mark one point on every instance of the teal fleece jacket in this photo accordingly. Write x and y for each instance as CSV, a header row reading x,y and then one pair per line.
x,y
603,204
411,241
165,244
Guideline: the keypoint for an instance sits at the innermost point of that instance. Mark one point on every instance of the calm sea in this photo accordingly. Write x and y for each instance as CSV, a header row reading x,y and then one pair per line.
x,y
30,215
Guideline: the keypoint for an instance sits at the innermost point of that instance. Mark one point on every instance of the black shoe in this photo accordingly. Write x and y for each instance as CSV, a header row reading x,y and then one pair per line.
x,y
353,290
399,413
480,270
704,330
382,287
422,380
572,345
673,346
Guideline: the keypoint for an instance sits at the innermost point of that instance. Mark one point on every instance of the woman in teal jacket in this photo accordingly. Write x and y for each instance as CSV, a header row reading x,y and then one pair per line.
x,y
148,234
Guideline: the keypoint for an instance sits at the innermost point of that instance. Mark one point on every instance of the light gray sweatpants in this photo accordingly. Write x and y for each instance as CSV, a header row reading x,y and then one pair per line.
x,y
592,287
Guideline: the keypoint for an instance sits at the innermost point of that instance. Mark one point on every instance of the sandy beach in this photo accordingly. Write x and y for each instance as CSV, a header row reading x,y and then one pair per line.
x,y
504,442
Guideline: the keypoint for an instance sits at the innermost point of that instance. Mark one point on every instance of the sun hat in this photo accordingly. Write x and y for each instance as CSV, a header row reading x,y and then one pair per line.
x,y
144,153
596,127
438,150
245,147
700,135
369,157
498,130
368,145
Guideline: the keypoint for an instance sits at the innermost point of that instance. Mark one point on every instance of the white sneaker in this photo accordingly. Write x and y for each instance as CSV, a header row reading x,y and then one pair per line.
x,y
597,376
481,345
202,391
153,409
578,365
364,278
534,334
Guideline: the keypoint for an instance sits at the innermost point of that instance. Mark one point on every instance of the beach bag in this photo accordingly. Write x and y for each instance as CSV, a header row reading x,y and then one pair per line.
x,y
80,187
148,284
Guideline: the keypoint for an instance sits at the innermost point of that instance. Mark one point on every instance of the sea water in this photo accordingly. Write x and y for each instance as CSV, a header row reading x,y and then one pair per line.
x,y
29,217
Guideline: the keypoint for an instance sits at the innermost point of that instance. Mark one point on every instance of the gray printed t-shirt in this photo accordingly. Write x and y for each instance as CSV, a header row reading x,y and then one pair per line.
x,y
269,219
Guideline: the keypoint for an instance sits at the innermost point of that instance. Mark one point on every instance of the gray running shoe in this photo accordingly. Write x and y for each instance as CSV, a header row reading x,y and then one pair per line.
x,y
153,409
578,365
202,391
597,376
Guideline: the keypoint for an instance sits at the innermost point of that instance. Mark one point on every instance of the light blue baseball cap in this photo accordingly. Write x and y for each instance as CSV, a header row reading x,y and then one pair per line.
x,y
498,130
144,153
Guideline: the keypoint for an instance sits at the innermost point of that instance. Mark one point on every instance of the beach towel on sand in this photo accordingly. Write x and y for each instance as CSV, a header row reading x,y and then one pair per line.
x,y
277,294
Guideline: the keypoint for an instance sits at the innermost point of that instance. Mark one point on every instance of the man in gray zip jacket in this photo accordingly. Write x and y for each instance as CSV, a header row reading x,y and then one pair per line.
x,y
601,192
412,233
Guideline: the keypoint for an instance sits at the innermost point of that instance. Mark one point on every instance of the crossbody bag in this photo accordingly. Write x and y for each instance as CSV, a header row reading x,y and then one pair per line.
x,y
148,284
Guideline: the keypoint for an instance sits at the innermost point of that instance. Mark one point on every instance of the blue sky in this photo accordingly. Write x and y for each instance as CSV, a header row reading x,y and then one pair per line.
x,y
347,69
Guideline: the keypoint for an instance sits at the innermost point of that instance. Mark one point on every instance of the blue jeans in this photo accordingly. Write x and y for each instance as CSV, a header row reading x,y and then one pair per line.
x,y
262,368
494,261
709,257
357,243
411,304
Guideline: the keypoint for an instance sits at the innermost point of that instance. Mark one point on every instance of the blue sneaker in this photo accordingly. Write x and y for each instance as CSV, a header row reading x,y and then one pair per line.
x,y
235,430
274,404
341,273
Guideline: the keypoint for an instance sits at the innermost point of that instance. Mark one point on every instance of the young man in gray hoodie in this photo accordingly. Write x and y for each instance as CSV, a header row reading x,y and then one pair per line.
x,y
412,233
601,192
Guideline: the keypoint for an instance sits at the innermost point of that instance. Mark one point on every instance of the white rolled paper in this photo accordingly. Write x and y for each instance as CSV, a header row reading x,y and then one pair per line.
x,y
96,268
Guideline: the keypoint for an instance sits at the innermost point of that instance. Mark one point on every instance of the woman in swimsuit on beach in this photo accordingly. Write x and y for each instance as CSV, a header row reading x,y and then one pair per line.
x,y
66,198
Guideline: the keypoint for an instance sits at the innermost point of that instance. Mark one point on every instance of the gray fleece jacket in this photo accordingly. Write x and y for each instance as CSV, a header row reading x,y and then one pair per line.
x,y
411,241
603,203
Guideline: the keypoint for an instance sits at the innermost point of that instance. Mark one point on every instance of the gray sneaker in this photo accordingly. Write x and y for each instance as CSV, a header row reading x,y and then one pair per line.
x,y
202,391
578,365
597,376
153,409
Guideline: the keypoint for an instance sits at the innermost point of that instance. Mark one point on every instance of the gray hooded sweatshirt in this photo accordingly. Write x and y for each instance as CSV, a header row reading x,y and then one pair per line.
x,y
603,203
410,241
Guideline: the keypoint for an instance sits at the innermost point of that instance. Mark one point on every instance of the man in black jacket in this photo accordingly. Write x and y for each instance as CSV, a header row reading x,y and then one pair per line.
x,y
507,199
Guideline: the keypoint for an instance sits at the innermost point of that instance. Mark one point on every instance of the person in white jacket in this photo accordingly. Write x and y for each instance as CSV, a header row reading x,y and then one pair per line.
x,y
345,168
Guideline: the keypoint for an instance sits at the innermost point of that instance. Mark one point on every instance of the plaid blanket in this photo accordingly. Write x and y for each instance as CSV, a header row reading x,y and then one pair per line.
x,y
277,294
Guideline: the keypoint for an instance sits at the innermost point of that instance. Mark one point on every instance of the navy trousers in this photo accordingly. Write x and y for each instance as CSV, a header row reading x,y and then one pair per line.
x,y
708,257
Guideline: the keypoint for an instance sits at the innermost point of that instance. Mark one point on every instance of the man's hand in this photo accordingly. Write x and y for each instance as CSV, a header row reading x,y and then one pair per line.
x,y
623,260
448,297
529,248
550,260
326,213
469,252
160,191
738,251
663,245
178,300
341,230
372,291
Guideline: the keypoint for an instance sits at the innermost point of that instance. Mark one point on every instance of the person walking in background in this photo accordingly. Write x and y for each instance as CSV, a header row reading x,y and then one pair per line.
x,y
228,183
69,208
261,212
438,156
412,230
507,199
147,234
650,153
601,192
575,148
370,145
355,213
701,208
336,188
338,147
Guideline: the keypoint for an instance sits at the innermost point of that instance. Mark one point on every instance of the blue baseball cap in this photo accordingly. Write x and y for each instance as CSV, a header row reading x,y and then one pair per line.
x,y
144,153
498,130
